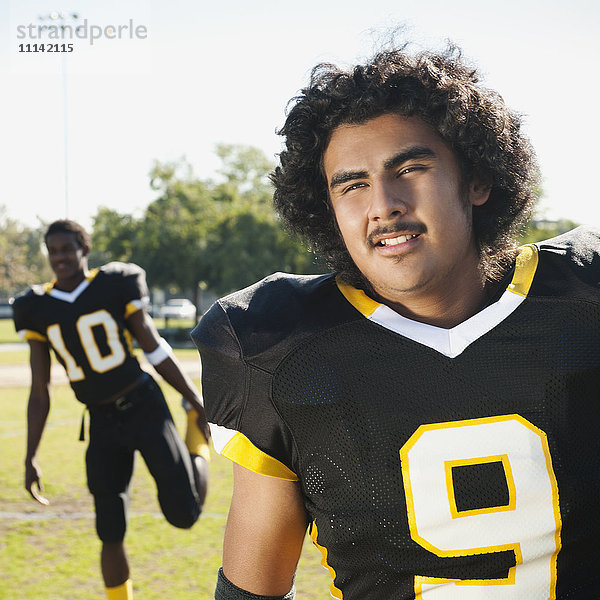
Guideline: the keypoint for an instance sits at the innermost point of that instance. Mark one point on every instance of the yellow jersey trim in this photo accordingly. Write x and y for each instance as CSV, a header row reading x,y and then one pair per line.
x,y
34,335
525,268
333,590
363,304
242,451
131,308
49,286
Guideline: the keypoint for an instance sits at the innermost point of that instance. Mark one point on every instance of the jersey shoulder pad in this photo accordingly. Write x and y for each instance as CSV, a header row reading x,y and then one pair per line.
x,y
28,297
276,309
24,305
580,248
130,276
241,339
121,269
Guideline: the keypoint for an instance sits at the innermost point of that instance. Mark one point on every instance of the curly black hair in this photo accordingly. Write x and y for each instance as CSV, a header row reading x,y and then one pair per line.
x,y
67,226
442,90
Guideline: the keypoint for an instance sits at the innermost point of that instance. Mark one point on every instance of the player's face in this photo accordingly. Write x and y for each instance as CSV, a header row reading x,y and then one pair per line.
x,y
67,258
395,187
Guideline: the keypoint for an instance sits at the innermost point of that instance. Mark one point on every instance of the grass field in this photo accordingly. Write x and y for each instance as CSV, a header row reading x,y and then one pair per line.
x,y
9,335
52,552
7,332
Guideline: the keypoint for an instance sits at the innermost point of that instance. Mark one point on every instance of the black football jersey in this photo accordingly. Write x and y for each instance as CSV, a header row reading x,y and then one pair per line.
x,y
86,328
434,463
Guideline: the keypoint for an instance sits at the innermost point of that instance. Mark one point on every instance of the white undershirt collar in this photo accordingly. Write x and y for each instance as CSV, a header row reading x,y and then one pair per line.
x,y
74,294
452,342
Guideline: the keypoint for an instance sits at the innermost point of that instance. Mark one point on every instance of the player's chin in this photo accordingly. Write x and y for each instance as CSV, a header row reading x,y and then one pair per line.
x,y
62,270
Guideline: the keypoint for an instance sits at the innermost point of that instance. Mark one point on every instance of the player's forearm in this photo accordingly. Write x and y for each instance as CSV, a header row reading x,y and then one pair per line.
x,y
172,373
37,413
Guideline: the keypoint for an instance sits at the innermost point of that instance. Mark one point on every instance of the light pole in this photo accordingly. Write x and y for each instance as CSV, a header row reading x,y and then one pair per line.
x,y
60,20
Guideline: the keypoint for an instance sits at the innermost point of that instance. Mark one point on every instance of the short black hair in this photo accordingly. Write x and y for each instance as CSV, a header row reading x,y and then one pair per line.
x,y
67,226
444,91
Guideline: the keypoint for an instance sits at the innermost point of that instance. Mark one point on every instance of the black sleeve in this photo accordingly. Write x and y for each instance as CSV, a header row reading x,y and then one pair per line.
x,y
245,426
581,248
223,369
24,317
225,590
130,279
135,287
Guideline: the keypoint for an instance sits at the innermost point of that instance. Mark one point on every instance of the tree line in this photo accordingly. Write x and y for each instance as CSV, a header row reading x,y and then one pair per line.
x,y
220,235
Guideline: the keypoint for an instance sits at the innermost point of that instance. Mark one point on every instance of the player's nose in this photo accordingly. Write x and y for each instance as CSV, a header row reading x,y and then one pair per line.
x,y
386,201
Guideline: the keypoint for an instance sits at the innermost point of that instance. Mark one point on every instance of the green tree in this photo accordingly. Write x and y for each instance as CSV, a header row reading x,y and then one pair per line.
x,y
221,235
114,237
172,233
244,171
247,244
542,229
22,262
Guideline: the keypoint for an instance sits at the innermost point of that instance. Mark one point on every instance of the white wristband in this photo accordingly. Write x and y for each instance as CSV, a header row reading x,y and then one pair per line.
x,y
160,353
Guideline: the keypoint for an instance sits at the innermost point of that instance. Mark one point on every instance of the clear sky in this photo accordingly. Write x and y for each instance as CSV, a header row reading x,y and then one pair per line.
x,y
207,72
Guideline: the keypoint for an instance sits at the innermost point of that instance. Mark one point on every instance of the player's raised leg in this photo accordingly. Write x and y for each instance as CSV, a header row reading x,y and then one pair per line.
x,y
197,445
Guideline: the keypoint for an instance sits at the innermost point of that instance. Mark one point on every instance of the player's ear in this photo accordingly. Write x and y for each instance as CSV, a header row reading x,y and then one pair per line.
x,y
86,249
479,191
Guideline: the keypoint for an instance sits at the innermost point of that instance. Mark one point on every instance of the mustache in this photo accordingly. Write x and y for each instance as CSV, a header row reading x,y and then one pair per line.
x,y
401,227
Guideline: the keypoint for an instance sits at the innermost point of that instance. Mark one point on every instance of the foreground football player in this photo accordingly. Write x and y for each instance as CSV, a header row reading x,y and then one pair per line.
x,y
88,318
430,410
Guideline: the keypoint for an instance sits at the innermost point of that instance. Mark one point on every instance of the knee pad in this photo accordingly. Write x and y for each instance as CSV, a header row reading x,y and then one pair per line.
x,y
183,519
111,517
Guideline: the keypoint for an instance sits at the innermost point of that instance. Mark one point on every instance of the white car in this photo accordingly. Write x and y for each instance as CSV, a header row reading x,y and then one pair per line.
x,y
177,308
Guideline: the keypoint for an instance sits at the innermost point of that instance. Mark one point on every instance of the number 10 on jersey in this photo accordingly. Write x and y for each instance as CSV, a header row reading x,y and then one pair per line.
x,y
528,523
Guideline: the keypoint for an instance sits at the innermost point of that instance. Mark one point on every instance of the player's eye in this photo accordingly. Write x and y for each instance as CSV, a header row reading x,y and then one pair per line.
x,y
410,169
353,186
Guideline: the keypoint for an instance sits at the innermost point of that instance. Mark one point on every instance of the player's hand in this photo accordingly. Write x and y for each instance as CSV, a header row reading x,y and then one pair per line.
x,y
201,420
33,482
203,425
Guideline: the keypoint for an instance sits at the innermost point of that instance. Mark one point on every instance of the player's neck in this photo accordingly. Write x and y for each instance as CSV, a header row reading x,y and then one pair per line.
x,y
68,284
445,306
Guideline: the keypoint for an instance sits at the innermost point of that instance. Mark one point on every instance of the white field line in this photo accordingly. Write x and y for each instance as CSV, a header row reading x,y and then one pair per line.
x,y
72,516
23,431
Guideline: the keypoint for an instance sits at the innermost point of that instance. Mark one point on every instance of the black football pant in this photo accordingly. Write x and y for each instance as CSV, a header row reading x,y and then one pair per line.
x,y
139,421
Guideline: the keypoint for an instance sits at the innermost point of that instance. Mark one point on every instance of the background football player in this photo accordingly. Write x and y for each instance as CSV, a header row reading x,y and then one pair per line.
x,y
88,318
430,409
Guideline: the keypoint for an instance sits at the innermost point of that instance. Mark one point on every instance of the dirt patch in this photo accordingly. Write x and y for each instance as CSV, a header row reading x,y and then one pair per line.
x,y
20,375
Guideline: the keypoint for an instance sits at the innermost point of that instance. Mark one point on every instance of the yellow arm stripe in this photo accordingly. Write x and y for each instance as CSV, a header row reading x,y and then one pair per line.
x,y
92,274
130,309
242,451
28,334
361,302
525,268
334,591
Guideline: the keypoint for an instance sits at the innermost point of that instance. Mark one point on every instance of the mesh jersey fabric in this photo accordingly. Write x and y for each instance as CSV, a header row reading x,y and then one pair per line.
x,y
86,328
396,444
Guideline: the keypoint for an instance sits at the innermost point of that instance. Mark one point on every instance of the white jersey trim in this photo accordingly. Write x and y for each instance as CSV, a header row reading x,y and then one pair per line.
x,y
70,296
449,342
452,342
221,436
